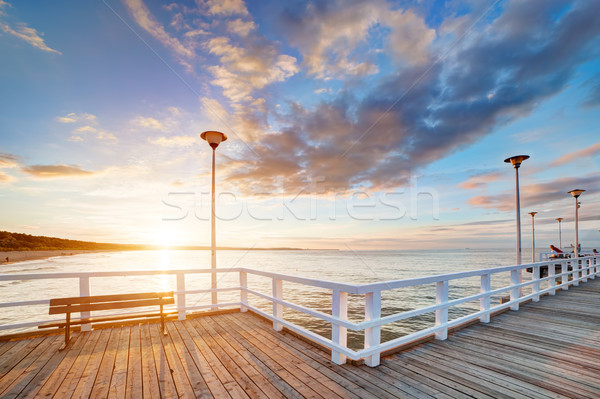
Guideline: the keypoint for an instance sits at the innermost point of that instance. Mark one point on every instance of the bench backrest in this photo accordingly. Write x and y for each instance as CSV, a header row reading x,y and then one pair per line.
x,y
109,302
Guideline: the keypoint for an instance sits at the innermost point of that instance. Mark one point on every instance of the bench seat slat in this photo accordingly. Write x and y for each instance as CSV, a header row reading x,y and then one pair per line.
x,y
123,317
109,298
110,305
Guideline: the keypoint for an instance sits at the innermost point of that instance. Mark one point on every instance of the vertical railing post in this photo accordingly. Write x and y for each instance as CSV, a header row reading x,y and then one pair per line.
x,y
552,281
514,292
84,290
535,276
564,268
441,315
339,335
243,292
484,301
372,334
586,271
277,308
577,272
181,312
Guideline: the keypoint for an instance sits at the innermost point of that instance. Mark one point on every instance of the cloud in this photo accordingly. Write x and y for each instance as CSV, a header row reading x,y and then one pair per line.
x,y
480,180
227,7
590,151
242,71
329,35
4,178
148,22
75,117
24,32
538,194
422,113
148,123
241,28
8,160
174,141
593,98
56,171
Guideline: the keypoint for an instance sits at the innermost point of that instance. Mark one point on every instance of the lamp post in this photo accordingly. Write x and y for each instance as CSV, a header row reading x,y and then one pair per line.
x,y
576,193
559,233
214,139
532,236
516,162
516,276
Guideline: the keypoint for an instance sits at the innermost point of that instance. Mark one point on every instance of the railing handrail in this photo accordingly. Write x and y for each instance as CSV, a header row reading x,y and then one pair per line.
x,y
581,269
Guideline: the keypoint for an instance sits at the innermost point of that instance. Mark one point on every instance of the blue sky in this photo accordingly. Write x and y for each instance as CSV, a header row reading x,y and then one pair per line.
x,y
351,125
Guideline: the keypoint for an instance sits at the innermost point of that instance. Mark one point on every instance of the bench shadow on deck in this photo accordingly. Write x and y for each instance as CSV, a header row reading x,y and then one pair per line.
x,y
548,349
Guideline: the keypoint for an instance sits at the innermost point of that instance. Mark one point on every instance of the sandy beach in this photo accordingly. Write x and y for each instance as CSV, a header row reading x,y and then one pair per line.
x,y
9,257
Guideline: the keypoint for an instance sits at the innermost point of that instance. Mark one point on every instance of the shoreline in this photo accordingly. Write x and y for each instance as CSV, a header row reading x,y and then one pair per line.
x,y
23,256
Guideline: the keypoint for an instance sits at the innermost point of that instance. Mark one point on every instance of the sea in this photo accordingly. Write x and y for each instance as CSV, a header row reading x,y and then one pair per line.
x,y
356,267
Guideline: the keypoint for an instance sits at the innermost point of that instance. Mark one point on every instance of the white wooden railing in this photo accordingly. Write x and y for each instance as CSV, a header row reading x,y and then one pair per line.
x,y
572,272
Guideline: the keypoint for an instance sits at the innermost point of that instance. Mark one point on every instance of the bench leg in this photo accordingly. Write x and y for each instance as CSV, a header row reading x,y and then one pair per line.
x,y
162,320
67,332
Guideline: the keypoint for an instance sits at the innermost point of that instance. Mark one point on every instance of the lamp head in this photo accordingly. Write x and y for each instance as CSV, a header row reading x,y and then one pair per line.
x,y
559,219
213,138
576,193
516,160
532,214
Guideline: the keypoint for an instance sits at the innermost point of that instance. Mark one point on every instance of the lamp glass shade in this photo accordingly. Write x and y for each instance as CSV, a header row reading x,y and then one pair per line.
x,y
213,138
559,219
532,214
576,193
516,160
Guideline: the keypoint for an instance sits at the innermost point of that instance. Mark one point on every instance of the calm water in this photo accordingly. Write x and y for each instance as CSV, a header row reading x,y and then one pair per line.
x,y
342,266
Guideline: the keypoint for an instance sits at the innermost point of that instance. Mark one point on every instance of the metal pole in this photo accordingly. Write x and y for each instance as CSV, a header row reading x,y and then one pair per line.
x,y
576,227
532,239
559,236
213,242
518,220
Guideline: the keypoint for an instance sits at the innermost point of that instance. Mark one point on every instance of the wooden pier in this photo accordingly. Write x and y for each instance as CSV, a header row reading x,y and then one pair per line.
x,y
549,349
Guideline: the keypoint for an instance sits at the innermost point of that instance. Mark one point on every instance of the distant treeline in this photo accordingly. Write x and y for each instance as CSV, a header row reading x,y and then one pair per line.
x,y
26,242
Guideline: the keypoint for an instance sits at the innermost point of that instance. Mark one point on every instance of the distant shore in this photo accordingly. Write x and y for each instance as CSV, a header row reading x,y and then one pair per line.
x,y
9,257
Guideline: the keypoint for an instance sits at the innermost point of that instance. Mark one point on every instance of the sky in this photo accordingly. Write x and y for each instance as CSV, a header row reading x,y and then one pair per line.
x,y
354,125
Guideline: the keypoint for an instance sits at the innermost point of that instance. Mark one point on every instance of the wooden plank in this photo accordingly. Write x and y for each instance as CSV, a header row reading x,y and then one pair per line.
x,y
178,382
16,353
110,305
56,380
514,367
298,349
49,378
6,345
101,384
118,382
286,389
267,385
230,384
351,377
133,389
543,364
295,379
236,372
485,374
88,377
198,385
27,370
108,298
150,385
15,374
213,383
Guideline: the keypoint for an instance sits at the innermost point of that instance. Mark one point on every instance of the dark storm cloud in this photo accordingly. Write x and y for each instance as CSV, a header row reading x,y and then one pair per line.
x,y
498,73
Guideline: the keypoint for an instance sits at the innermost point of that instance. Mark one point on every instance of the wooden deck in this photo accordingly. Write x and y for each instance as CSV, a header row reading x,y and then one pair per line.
x,y
549,349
